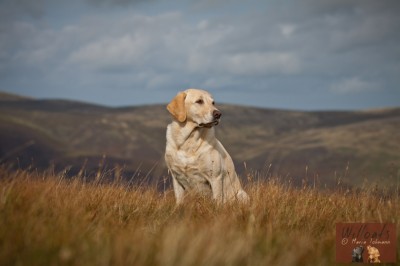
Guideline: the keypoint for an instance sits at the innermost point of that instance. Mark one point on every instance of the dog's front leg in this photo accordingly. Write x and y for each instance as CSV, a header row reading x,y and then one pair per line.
x,y
178,190
217,187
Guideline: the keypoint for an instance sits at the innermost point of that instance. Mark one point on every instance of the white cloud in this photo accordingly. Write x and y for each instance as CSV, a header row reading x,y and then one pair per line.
x,y
295,46
159,81
218,82
131,41
353,85
166,43
110,3
287,30
246,64
262,63
110,52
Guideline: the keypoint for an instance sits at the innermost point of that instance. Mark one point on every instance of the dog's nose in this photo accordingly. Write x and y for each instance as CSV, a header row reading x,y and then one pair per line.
x,y
217,114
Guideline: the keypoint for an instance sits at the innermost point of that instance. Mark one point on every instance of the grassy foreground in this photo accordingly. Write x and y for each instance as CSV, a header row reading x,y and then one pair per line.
x,y
48,220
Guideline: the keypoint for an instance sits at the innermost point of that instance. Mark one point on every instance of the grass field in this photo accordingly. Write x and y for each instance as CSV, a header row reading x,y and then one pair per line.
x,y
46,219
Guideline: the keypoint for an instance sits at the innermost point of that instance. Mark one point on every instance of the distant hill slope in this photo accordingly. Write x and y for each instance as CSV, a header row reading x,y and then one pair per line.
x,y
5,96
320,147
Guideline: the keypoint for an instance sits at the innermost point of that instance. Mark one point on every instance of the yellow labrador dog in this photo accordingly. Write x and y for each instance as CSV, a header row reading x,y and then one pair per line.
x,y
196,159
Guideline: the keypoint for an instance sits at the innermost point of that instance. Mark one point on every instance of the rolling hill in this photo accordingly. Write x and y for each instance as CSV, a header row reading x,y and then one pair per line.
x,y
319,148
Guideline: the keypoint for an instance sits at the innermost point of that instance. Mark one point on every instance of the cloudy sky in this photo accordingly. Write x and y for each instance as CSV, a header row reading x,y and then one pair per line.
x,y
300,54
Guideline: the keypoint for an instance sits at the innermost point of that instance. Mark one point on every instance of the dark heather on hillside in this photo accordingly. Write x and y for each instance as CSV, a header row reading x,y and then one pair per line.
x,y
314,148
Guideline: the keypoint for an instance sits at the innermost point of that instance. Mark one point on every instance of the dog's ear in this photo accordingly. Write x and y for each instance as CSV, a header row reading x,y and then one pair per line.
x,y
177,107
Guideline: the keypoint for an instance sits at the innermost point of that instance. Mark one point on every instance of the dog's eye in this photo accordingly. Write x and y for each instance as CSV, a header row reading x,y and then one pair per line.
x,y
200,101
213,103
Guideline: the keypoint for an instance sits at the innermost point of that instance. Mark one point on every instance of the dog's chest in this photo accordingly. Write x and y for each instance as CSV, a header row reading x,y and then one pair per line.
x,y
185,162
204,163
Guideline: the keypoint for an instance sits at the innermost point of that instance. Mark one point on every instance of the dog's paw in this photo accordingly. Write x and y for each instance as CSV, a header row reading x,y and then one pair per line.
x,y
243,197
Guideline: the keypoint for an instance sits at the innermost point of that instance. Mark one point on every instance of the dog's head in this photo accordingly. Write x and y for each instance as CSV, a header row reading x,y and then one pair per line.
x,y
196,106
373,254
357,254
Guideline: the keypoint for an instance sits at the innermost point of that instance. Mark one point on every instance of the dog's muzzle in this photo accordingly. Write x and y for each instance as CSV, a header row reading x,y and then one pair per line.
x,y
217,116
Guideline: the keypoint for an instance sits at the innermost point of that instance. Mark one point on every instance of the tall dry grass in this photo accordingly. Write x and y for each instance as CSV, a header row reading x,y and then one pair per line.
x,y
46,219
